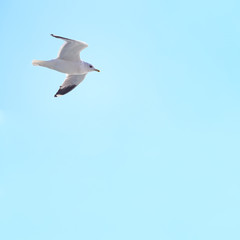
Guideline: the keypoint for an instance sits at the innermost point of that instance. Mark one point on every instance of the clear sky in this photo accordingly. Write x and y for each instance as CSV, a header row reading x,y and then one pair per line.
x,y
146,149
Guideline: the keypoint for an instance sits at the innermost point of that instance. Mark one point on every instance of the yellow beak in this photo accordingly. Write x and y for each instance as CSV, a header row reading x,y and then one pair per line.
x,y
96,70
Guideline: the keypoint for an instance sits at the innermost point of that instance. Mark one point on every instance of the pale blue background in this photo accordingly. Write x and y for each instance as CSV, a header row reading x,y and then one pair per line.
x,y
146,149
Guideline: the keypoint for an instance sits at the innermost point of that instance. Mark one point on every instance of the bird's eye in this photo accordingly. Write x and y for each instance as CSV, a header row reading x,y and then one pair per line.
x,y
90,66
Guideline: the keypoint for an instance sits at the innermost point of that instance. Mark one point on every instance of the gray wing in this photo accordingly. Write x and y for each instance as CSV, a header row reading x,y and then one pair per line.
x,y
69,84
71,49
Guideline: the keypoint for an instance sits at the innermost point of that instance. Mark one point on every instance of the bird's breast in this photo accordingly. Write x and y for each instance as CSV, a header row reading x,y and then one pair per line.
x,y
68,67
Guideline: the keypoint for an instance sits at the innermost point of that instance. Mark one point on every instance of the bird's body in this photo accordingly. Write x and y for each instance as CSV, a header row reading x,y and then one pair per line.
x,y
63,66
69,62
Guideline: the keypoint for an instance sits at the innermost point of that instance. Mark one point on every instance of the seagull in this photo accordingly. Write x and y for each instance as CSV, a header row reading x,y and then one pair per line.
x,y
69,62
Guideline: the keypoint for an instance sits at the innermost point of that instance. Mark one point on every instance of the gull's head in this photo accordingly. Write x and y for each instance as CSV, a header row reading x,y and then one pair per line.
x,y
91,68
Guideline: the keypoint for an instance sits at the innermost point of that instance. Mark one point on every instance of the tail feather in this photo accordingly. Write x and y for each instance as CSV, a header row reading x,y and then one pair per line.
x,y
37,62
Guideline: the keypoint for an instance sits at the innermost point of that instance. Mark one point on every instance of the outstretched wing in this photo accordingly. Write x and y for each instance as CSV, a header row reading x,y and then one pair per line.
x,y
69,84
71,49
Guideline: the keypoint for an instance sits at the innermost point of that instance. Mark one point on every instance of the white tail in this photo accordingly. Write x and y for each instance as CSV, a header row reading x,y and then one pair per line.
x,y
37,63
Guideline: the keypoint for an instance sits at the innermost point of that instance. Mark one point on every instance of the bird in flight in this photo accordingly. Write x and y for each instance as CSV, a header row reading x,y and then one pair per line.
x,y
69,62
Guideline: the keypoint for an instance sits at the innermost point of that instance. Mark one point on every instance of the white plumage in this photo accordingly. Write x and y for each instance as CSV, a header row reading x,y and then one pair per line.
x,y
69,62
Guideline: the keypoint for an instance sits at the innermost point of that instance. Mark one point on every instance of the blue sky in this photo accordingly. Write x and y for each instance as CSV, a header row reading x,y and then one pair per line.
x,y
146,149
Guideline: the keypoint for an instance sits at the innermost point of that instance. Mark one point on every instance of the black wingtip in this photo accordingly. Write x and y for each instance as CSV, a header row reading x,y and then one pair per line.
x,y
66,39
64,90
